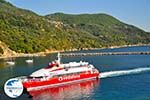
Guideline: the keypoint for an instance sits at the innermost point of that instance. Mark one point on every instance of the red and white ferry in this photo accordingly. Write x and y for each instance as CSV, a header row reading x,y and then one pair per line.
x,y
56,74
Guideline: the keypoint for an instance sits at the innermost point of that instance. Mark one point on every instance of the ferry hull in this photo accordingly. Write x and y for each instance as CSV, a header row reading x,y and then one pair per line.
x,y
58,81
66,91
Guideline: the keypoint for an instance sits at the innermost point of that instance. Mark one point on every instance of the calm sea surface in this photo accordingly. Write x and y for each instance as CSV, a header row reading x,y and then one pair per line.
x,y
121,87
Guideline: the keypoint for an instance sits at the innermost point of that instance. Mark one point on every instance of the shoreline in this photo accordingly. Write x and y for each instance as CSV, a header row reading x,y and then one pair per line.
x,y
39,54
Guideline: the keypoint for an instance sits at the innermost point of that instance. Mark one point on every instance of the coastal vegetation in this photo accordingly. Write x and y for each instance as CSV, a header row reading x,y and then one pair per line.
x,y
24,31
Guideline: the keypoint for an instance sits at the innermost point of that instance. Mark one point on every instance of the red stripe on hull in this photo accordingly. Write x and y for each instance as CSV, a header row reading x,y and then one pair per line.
x,y
59,80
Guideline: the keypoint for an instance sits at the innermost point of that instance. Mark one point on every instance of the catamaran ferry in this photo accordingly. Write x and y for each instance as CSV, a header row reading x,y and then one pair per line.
x,y
56,74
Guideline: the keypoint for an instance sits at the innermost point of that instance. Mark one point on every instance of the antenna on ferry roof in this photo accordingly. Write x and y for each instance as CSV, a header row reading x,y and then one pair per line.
x,y
58,57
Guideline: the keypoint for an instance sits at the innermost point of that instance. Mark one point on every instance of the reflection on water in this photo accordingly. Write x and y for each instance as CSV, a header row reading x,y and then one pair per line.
x,y
82,90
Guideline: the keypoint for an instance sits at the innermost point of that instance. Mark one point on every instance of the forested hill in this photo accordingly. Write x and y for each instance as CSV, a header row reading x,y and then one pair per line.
x,y
105,27
27,32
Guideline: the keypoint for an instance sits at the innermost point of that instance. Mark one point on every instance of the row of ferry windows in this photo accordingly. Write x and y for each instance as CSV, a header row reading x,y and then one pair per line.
x,y
64,75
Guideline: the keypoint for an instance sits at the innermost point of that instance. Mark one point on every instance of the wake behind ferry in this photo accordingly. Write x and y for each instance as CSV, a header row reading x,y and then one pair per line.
x,y
56,74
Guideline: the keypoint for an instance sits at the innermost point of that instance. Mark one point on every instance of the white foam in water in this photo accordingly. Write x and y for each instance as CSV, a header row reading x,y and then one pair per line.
x,y
123,72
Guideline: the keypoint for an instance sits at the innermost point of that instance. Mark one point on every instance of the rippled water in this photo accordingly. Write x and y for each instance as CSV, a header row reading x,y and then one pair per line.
x,y
131,84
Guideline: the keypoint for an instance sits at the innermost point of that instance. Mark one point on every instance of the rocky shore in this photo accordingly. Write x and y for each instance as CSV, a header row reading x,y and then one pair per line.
x,y
9,53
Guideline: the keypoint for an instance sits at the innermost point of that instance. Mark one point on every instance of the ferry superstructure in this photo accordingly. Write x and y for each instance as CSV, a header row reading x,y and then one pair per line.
x,y
56,74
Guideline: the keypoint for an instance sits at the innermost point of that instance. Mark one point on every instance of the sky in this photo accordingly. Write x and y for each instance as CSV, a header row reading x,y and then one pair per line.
x,y
135,12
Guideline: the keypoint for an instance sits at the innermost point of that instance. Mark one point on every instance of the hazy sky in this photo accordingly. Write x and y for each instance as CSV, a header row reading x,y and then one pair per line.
x,y
135,12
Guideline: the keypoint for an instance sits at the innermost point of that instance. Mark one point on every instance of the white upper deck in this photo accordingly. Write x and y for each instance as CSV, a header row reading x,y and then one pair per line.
x,y
56,68
72,67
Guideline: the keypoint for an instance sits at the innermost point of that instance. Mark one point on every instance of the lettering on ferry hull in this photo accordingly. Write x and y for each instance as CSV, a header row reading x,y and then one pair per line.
x,y
68,77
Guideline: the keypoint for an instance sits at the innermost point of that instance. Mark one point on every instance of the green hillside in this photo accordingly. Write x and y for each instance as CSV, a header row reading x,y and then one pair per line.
x,y
25,31
105,27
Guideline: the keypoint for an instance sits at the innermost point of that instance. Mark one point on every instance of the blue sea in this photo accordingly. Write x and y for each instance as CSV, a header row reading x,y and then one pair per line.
x,y
123,77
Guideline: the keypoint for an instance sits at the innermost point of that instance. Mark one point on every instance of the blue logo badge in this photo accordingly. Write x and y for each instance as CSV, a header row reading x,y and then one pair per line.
x,y
13,88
